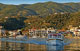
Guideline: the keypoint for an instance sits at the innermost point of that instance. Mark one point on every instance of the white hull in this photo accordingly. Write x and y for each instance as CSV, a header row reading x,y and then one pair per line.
x,y
34,37
55,42
19,37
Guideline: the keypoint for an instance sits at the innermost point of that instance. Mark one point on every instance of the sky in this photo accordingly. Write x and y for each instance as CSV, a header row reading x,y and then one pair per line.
x,y
17,2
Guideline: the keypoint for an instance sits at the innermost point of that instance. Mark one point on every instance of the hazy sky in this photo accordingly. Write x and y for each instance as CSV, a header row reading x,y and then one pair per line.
x,y
33,1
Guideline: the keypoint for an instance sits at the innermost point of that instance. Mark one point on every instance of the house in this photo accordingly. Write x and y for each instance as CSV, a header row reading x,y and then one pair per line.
x,y
2,31
12,33
40,32
37,33
75,30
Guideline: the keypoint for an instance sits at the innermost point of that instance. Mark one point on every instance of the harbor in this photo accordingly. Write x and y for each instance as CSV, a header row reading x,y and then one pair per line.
x,y
42,39
73,44
39,25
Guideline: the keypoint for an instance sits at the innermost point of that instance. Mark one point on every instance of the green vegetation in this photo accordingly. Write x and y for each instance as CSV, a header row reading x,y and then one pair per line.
x,y
39,15
42,9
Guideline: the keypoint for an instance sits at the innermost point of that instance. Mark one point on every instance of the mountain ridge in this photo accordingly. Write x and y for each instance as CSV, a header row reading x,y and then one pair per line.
x,y
40,15
46,8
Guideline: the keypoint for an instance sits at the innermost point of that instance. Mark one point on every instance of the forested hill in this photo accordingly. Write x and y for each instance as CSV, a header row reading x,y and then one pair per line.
x,y
42,9
58,21
40,15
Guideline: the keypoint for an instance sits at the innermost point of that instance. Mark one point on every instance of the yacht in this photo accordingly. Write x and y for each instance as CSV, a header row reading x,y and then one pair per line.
x,y
55,39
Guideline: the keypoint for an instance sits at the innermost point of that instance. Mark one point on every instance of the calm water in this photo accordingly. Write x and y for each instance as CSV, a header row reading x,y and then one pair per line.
x,y
8,46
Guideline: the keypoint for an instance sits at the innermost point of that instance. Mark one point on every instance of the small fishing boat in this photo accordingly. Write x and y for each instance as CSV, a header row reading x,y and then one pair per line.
x,y
34,36
55,39
19,37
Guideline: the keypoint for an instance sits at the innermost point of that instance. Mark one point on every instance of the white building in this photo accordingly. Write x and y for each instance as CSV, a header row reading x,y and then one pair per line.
x,y
12,33
40,32
75,30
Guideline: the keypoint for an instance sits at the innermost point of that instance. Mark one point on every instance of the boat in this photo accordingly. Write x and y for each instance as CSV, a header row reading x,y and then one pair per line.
x,y
55,39
34,37
19,37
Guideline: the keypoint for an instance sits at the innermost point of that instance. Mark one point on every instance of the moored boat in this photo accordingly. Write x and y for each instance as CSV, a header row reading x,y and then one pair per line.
x,y
55,39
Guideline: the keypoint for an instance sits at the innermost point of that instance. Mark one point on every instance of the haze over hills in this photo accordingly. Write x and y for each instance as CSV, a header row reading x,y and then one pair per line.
x,y
45,10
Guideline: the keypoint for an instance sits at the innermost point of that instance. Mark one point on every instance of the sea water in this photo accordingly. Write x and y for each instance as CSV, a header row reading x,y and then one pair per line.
x,y
35,45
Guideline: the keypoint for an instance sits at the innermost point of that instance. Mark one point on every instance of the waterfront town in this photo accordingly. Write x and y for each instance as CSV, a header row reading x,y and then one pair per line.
x,y
39,25
41,33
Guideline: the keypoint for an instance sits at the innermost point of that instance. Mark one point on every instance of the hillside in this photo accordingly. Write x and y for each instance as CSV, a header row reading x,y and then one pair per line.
x,y
58,21
39,15
74,20
42,9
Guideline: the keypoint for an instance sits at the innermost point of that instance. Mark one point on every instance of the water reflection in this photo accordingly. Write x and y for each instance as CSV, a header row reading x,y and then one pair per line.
x,y
7,46
74,46
10,46
55,48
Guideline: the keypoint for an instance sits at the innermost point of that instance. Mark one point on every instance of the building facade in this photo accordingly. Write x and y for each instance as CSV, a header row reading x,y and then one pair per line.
x,y
35,33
